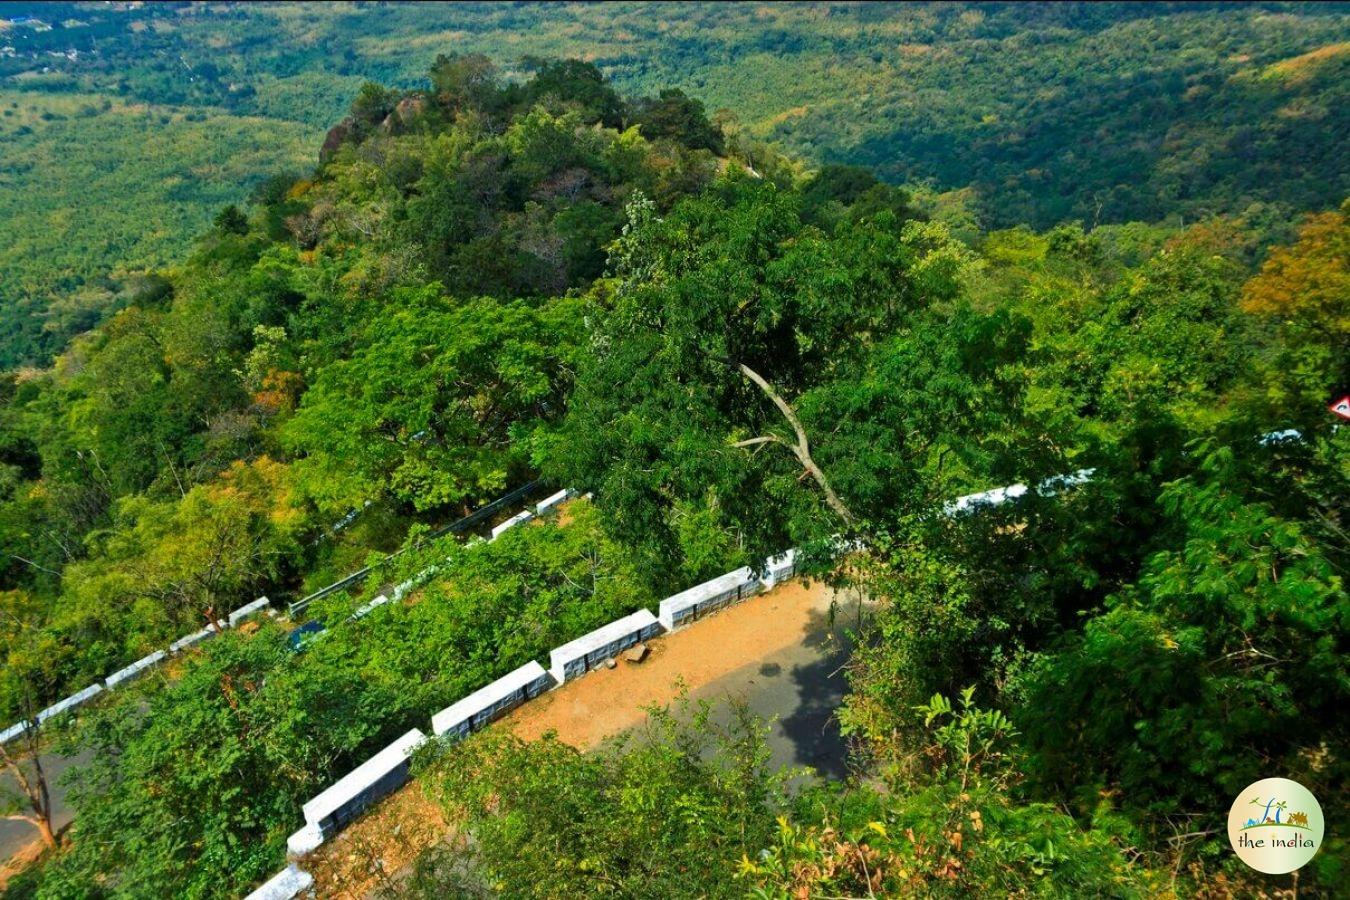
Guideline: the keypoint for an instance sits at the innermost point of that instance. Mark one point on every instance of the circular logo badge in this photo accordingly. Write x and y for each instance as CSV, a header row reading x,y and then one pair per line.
x,y
1275,826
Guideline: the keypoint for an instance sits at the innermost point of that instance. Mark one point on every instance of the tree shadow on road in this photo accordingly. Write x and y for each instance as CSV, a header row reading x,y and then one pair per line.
x,y
813,728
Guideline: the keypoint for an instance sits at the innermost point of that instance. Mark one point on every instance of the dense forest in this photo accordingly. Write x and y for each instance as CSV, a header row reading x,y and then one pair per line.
x,y
492,276
1034,114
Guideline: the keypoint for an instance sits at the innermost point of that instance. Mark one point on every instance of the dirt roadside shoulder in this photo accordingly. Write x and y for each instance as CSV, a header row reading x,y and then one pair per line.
x,y
730,650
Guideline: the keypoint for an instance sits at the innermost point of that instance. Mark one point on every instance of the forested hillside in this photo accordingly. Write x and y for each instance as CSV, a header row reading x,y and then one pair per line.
x,y
293,285
380,343
488,279
1019,113
386,336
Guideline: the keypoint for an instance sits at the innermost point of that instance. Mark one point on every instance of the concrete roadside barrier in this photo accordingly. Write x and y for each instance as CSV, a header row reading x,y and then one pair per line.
x,y
285,885
191,640
552,501
305,840
779,568
13,731
590,650
247,610
999,496
74,701
135,670
488,703
519,518
370,607
384,772
701,599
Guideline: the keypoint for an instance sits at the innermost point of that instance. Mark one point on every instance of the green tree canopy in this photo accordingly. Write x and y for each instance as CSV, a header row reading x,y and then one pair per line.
x,y
738,353
426,409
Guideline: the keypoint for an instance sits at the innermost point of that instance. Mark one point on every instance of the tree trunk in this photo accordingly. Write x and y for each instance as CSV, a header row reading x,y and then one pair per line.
x,y
44,827
34,786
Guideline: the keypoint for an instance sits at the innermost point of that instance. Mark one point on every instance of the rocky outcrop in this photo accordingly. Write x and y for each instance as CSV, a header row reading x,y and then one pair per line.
x,y
408,110
338,135
410,107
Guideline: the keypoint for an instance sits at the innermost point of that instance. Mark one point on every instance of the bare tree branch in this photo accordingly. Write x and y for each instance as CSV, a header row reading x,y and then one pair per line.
x,y
766,439
801,449
35,565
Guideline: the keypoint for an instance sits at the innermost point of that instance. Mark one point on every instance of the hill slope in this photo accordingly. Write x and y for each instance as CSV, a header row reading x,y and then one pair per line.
x,y
1106,112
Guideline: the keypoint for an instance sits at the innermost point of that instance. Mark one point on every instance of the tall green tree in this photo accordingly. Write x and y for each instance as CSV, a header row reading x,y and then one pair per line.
x,y
801,383
1226,653
427,410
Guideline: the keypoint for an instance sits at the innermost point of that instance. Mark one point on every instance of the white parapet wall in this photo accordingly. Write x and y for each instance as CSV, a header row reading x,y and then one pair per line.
x,y
999,496
1276,437
304,841
1056,483
191,640
134,670
995,497
701,599
74,701
384,772
285,885
551,502
780,568
519,518
247,610
14,731
486,704
401,589
590,650
370,607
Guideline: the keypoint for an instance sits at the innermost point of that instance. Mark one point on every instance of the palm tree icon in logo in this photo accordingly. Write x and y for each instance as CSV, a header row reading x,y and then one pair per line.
x,y
1265,819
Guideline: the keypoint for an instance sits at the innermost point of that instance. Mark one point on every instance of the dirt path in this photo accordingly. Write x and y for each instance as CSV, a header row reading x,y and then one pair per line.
x,y
609,701
775,651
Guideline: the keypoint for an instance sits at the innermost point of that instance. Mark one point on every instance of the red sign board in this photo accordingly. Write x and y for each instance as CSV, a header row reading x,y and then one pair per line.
x,y
1341,407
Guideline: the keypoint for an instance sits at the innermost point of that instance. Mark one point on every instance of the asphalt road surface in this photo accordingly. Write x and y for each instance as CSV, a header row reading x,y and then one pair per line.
x,y
797,690
14,834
